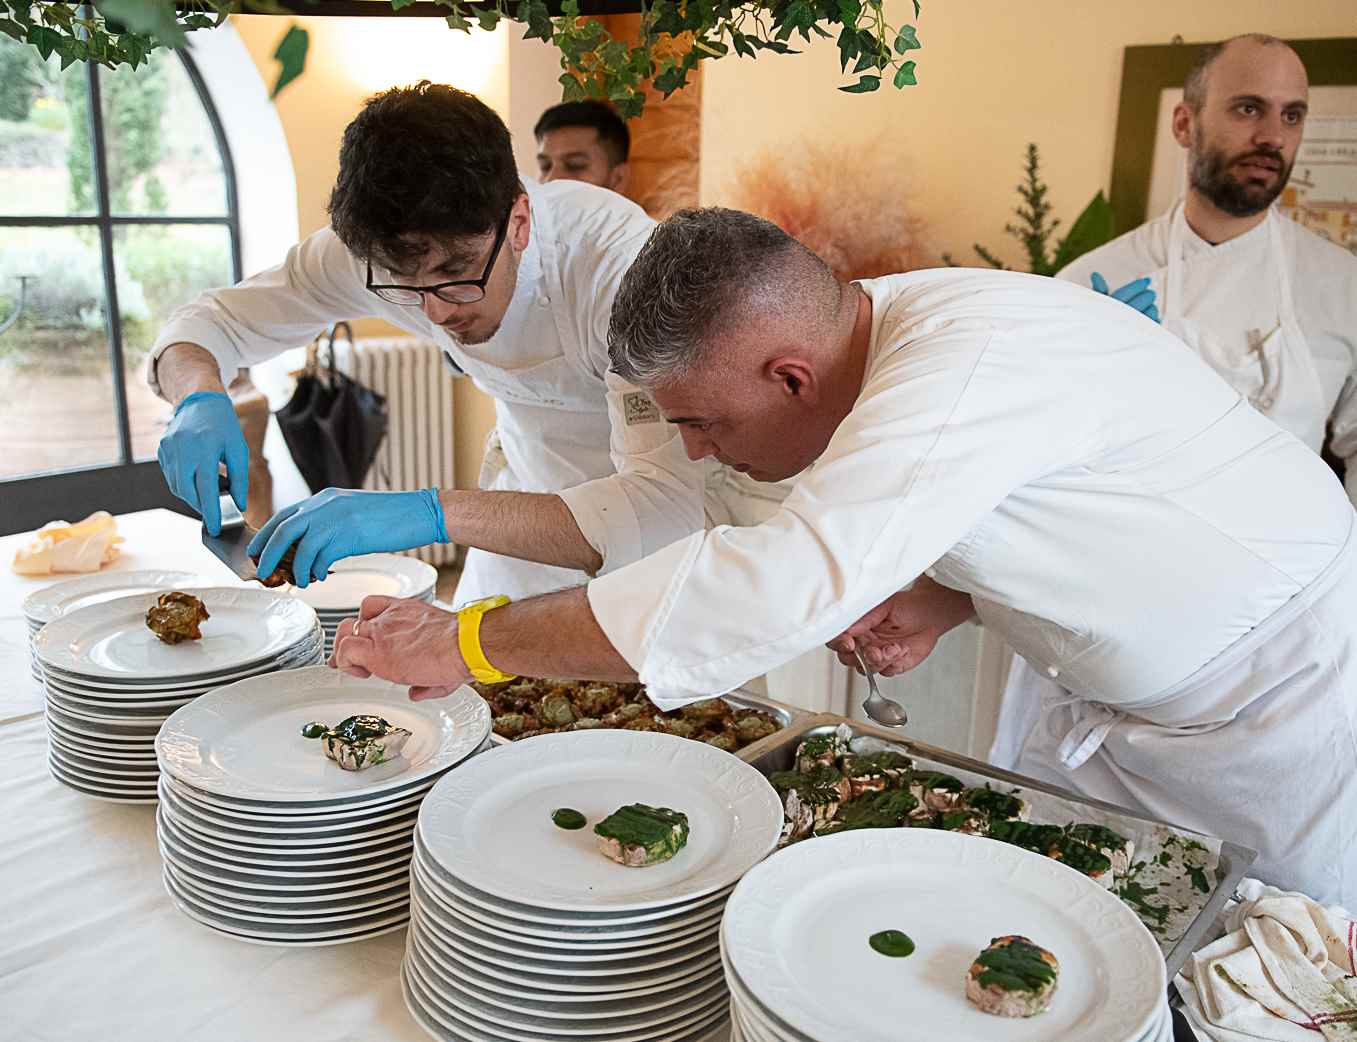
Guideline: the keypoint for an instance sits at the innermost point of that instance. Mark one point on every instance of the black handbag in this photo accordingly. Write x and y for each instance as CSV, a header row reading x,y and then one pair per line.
x,y
333,425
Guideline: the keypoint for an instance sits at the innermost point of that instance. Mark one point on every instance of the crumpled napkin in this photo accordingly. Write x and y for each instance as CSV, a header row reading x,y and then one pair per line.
x,y
1284,972
85,546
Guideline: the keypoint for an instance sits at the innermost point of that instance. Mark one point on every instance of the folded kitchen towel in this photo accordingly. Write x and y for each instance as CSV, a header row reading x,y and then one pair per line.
x,y
1283,972
85,546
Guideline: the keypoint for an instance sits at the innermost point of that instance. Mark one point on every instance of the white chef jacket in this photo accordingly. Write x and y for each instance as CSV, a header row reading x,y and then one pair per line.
x,y
1117,512
1323,277
562,419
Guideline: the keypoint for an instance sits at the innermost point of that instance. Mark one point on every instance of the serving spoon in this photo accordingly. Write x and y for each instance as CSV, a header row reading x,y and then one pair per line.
x,y
883,710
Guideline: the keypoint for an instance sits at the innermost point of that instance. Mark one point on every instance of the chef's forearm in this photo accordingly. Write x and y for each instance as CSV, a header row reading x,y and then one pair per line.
x,y
185,368
531,526
555,635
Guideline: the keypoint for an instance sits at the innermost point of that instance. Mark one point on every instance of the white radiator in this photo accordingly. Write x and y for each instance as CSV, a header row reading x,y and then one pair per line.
x,y
418,449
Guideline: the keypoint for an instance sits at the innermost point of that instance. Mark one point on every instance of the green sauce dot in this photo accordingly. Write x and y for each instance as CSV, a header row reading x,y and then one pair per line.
x,y
893,943
313,730
567,818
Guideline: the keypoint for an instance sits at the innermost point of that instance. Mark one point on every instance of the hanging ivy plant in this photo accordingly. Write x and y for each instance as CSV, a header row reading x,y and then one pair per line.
x,y
675,36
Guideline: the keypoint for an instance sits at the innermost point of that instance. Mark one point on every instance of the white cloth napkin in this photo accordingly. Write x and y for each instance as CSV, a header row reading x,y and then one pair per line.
x,y
1283,972
85,546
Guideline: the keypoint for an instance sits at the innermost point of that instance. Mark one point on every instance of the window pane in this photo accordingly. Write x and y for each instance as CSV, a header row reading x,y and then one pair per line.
x,y
57,409
160,266
44,135
162,155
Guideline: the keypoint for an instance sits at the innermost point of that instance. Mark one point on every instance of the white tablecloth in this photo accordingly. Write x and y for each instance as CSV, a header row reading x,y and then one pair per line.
x,y
91,948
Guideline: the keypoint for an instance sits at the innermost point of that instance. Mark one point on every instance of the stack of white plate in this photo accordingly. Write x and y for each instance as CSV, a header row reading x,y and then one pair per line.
x,y
265,838
52,603
796,952
110,682
522,930
352,579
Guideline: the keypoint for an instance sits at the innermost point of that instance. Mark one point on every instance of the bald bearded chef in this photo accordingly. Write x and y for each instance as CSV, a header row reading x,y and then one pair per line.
x,y
1271,306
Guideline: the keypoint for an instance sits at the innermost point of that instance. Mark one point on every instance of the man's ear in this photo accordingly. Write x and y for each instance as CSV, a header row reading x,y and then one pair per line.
x,y
1182,124
796,377
618,176
520,224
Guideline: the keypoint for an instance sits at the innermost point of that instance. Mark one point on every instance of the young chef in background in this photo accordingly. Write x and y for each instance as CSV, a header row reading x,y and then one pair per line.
x,y
583,141
1270,305
1187,570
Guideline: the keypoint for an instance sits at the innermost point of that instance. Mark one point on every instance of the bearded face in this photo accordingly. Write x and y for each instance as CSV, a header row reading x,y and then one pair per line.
x,y
1240,184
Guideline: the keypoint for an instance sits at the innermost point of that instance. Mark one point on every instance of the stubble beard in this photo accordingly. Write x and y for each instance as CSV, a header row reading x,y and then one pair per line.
x,y
1209,174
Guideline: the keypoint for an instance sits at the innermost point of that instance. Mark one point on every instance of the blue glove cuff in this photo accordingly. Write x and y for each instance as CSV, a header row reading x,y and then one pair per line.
x,y
440,528
199,395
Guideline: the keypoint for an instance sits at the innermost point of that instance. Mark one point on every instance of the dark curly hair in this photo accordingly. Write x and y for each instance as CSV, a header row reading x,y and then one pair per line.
x,y
428,160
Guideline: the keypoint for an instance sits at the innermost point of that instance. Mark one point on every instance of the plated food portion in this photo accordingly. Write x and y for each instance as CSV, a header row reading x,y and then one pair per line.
x,y
832,789
637,835
359,741
176,617
1012,977
524,708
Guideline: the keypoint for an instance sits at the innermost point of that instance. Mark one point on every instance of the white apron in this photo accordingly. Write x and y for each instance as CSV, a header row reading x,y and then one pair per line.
x,y
1259,746
1273,369
551,421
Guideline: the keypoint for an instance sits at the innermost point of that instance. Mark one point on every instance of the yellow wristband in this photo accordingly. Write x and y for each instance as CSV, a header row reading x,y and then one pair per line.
x,y
469,640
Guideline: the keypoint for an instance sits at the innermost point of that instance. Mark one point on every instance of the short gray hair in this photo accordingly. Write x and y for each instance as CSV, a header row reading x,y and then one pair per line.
x,y
1194,87
698,274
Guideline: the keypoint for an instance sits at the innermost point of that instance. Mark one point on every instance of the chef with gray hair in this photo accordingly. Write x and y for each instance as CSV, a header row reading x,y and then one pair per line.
x,y
980,447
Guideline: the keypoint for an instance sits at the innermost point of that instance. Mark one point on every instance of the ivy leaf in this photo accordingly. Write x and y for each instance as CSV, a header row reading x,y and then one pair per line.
x,y
741,44
864,85
631,106
538,19
917,8
291,55
487,18
866,61
849,11
13,29
906,40
44,39
457,20
848,47
71,50
904,76
573,89
200,21
154,18
396,5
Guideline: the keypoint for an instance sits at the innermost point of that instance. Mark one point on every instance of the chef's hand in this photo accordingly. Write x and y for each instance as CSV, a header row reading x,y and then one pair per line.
x,y
203,433
1136,294
901,631
342,522
404,641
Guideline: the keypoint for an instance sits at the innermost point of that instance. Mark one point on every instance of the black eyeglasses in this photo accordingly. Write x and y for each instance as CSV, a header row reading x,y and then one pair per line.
x,y
459,291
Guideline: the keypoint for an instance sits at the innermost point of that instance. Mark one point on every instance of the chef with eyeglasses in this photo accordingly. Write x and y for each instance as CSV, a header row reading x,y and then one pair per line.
x,y
1268,304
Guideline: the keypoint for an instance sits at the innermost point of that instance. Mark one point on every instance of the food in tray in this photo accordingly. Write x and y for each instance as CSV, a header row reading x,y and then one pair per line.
x,y
1013,978
833,789
525,707
359,741
637,835
568,818
176,617
283,573
892,943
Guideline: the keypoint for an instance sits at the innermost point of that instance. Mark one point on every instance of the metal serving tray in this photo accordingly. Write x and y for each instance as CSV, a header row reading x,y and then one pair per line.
x,y
741,698
777,752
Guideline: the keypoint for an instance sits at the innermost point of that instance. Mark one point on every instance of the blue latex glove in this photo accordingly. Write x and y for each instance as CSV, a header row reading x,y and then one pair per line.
x,y
203,433
342,522
1136,294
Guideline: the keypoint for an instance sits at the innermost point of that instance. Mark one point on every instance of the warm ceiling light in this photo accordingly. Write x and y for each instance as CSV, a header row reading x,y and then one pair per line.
x,y
390,52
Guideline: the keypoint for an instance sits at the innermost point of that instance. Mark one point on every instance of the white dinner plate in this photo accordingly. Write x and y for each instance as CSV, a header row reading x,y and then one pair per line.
x,y
615,1016
456,1013
247,905
44,606
489,823
366,575
244,740
121,733
796,932
232,854
99,715
691,921
223,809
357,888
222,907
231,870
363,846
140,772
246,880
112,639
102,786
95,750
378,821
97,793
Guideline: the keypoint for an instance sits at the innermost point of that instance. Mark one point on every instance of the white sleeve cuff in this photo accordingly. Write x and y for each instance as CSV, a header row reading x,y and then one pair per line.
x,y
607,521
202,333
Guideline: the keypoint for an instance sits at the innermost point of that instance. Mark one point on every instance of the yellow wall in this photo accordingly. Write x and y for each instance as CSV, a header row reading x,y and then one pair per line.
x,y
993,75
349,59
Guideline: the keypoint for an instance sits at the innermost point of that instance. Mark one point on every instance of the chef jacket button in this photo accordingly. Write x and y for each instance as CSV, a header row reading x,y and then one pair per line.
x,y
1052,672
542,302
1265,403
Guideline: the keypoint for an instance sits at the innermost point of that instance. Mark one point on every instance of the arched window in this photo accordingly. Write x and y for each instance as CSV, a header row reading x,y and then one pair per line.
x,y
117,204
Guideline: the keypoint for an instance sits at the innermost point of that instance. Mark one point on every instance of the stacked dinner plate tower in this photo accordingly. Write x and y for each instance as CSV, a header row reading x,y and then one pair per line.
x,y
52,603
265,838
350,580
110,682
805,959
522,930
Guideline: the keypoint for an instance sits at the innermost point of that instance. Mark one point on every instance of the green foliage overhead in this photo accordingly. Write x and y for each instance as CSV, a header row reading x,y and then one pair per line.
x,y
675,37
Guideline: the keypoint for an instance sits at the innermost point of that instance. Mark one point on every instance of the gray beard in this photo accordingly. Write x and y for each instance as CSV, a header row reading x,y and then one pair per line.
x,y
1209,174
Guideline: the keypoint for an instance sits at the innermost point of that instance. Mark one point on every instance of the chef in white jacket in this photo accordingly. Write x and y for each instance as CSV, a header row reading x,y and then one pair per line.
x,y
1270,305
1189,570
433,231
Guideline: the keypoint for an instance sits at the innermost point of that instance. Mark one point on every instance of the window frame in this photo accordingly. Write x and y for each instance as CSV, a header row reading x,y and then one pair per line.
x,y
127,485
